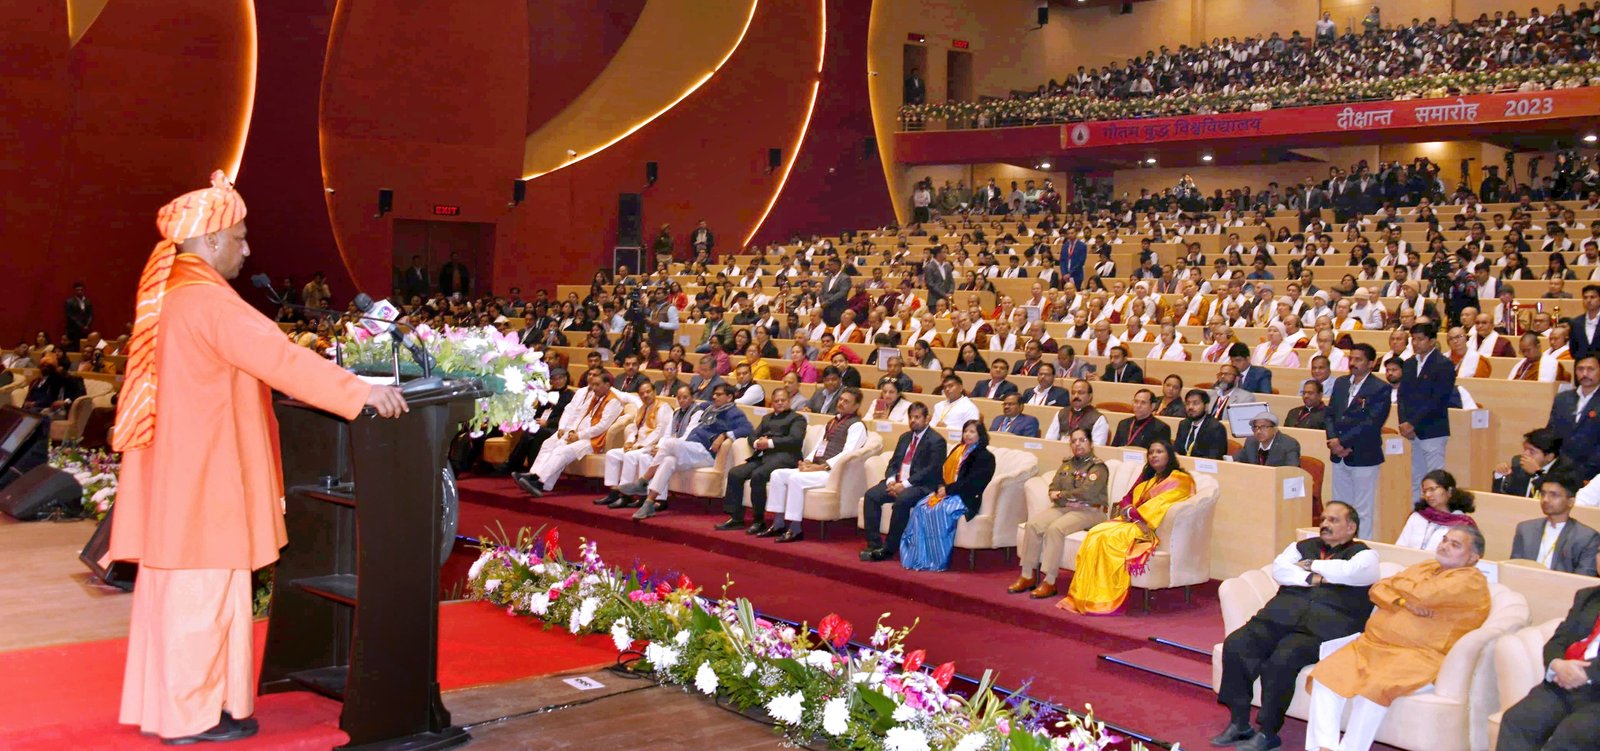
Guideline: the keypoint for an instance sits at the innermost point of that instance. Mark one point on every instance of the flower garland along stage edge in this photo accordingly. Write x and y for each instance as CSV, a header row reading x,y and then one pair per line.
x,y
518,377
96,472
815,689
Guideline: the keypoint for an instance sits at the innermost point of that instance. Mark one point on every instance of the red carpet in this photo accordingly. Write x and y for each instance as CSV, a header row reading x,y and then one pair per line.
x,y
66,697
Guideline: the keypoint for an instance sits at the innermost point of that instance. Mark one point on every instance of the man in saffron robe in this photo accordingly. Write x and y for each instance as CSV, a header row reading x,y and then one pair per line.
x,y
200,500
1422,612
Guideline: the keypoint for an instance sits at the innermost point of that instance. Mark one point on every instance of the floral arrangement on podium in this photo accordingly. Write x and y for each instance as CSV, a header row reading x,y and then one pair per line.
x,y
518,377
821,688
96,473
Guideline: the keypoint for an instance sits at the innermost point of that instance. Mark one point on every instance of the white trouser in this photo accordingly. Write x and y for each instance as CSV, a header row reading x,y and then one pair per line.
x,y
786,491
1327,708
1427,455
673,455
1358,486
554,457
623,467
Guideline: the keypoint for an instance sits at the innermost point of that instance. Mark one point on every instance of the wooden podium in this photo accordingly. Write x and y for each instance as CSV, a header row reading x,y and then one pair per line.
x,y
355,598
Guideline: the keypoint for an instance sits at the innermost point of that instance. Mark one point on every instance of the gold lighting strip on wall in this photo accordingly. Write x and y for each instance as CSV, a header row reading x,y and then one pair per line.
x,y
805,125
248,8
692,88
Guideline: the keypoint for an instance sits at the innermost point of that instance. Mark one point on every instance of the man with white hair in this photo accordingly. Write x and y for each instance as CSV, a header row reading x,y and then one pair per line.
x,y
1369,312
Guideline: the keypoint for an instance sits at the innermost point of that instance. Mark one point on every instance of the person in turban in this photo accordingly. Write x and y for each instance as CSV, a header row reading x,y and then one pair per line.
x,y
199,503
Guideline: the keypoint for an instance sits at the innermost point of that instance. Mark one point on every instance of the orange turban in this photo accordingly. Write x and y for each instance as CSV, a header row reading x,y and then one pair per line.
x,y
190,215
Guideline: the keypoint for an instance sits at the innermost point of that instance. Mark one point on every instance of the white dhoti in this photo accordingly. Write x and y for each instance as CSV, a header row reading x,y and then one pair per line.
x,y
554,458
189,651
786,491
623,467
674,455
1327,708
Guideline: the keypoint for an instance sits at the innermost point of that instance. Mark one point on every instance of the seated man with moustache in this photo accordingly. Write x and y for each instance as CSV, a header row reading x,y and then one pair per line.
x,y
776,444
1267,446
787,487
1144,427
1199,434
1012,420
1312,412
1077,502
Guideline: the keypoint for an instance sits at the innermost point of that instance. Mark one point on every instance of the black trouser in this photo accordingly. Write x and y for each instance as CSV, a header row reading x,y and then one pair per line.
x,y
872,510
526,447
756,472
1273,653
1551,718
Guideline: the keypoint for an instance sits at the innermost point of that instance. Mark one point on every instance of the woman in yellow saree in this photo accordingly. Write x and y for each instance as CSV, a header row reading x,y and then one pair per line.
x,y
1116,549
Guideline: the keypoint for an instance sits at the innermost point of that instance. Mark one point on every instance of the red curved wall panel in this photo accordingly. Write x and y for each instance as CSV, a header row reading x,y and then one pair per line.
x,y
430,105
570,43
33,117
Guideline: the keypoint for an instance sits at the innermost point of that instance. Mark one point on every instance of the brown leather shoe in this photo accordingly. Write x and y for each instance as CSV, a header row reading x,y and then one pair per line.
x,y
1045,589
1022,584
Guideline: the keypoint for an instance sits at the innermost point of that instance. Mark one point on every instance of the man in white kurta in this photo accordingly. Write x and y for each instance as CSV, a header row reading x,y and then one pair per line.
x,y
786,489
583,432
956,409
644,432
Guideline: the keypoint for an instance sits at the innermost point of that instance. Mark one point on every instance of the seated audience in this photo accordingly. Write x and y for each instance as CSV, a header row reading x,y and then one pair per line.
x,y
716,424
1120,369
1312,412
1080,413
639,439
1116,548
1442,507
825,400
996,386
1077,502
1045,392
931,531
1421,613
1541,455
889,405
1558,542
956,409
1199,434
548,416
583,429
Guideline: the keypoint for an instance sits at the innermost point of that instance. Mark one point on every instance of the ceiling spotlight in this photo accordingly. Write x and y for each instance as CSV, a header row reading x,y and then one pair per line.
x,y
1591,138
1044,165
1150,160
1205,157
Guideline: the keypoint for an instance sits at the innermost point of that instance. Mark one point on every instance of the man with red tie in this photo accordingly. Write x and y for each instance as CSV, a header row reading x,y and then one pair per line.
x,y
1562,712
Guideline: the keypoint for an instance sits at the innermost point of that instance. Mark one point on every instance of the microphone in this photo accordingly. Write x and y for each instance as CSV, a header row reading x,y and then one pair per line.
x,y
382,317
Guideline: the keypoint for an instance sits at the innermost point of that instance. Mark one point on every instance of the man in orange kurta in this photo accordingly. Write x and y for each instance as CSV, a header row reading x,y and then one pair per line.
x,y
200,498
1421,613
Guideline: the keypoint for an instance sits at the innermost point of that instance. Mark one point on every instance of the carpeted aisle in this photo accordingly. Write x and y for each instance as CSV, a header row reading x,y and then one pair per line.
x,y
66,697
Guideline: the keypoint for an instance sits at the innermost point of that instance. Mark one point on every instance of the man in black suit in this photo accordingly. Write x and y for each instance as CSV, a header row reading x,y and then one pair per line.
x,y
453,278
1586,328
1575,418
414,282
548,416
1427,383
1322,595
777,444
996,387
913,473
1120,369
1562,712
1199,434
1312,412
1356,413
1046,393
1144,427
702,240
80,314
835,293
1541,455
938,276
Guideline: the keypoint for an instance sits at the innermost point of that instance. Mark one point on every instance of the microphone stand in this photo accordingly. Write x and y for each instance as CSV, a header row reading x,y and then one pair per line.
x,y
424,361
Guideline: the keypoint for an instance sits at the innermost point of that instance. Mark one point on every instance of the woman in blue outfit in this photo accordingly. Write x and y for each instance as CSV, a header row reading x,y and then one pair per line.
x,y
931,533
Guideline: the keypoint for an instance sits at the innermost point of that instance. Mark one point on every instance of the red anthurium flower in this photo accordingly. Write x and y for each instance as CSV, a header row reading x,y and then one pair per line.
x,y
943,674
684,582
552,540
663,589
835,630
914,660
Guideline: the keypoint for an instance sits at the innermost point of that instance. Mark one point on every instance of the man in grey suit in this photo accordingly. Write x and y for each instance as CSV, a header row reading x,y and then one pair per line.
x,y
1558,541
835,293
825,401
1225,391
1268,447
938,276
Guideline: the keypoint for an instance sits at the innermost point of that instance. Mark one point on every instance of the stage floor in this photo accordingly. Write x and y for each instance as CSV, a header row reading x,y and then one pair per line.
x,y
46,596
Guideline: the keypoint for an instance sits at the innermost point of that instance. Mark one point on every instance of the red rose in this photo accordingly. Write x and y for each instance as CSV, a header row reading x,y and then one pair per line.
x,y
943,674
914,660
835,630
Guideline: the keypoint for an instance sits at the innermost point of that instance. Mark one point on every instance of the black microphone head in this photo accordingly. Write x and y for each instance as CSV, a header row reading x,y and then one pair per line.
x,y
262,281
363,302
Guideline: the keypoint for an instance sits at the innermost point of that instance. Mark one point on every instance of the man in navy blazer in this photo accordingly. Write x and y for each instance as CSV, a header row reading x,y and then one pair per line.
x,y
1252,378
996,386
906,481
1047,393
1074,256
1575,417
1012,420
1586,327
1356,413
1427,381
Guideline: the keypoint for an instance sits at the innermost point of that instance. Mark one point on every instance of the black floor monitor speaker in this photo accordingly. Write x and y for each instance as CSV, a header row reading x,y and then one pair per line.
x,y
24,443
630,219
96,555
40,493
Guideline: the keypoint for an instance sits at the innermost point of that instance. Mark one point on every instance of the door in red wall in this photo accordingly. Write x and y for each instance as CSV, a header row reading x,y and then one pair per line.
x,y
436,243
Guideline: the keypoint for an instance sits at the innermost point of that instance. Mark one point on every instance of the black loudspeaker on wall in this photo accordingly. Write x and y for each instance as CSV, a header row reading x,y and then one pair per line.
x,y
774,159
630,219
519,191
652,172
41,492
1127,7
96,555
1044,14
869,147
385,201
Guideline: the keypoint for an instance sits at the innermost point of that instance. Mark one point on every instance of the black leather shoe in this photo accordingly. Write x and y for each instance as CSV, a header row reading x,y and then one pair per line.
x,y
530,484
773,531
756,528
791,535
607,499
1260,742
1233,735
876,555
731,524
228,729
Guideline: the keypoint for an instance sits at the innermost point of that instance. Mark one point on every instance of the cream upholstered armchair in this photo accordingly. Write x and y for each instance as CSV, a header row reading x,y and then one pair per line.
x,y
1452,715
840,498
1518,667
712,481
1003,506
1183,556
1036,494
